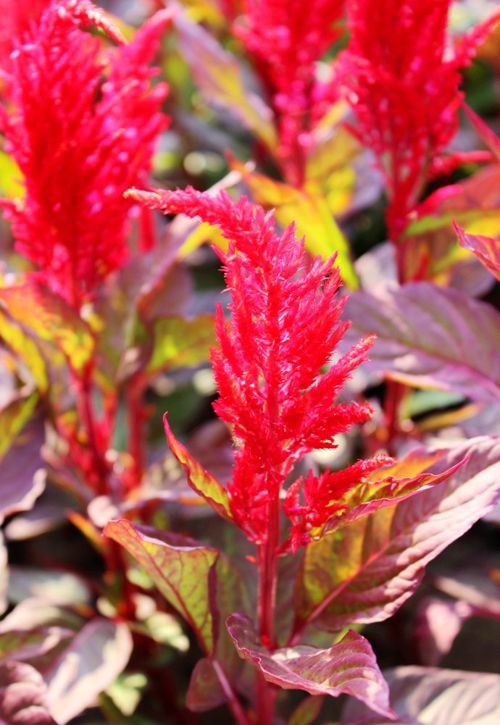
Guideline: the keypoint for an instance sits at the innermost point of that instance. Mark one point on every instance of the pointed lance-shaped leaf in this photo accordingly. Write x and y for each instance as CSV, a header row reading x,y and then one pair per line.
x,y
428,336
486,249
198,478
365,571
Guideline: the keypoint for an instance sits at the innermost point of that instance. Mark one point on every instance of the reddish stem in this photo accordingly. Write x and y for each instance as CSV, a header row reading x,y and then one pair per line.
x,y
99,464
267,564
136,423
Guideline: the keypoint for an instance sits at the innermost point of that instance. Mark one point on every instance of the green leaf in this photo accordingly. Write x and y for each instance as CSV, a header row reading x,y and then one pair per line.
x,y
179,342
14,417
308,209
24,347
179,568
198,478
307,711
48,317
220,77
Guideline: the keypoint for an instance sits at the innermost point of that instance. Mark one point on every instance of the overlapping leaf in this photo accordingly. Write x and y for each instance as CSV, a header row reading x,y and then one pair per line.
x,y
23,695
486,249
220,77
365,571
198,478
46,316
430,337
424,695
348,667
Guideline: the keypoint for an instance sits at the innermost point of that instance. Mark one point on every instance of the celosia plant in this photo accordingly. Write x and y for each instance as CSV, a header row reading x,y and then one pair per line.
x,y
304,503
279,404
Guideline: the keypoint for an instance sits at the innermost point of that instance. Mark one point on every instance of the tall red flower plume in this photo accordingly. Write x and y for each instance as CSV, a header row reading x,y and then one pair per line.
x,y
402,77
286,38
270,362
82,122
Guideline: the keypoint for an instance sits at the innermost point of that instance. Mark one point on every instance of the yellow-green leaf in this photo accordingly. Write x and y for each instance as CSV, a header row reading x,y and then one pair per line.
x,y
48,317
198,478
178,342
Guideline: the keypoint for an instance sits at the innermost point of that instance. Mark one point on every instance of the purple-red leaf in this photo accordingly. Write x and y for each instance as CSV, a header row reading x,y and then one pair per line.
x,y
349,667
486,249
205,691
425,695
23,695
22,479
430,337
365,571
387,486
93,660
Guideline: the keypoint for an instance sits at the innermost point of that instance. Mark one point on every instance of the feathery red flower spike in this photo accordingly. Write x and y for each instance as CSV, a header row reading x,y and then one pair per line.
x,y
270,365
81,123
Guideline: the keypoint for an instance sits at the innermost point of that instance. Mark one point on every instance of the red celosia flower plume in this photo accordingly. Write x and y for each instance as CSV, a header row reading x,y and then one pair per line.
x,y
82,123
286,38
402,76
270,362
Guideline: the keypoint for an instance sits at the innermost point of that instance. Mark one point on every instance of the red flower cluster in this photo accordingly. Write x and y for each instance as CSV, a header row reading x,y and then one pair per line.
x,y
402,77
286,38
270,364
82,122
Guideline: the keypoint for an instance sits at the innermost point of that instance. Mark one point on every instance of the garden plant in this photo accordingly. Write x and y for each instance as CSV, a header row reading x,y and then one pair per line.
x,y
249,362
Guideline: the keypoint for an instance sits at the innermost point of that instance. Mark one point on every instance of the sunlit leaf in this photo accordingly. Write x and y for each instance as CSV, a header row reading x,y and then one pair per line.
x,y
486,249
179,568
349,667
424,695
198,478
308,209
365,571
220,77
10,177
179,342
430,337
14,416
50,318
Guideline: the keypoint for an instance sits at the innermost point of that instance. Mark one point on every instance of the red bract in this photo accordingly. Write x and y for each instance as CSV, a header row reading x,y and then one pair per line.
x,y
82,128
286,39
269,362
402,78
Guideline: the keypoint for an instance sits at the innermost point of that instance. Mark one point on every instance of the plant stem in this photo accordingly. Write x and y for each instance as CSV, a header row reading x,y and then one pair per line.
x,y
232,700
136,420
267,563
99,465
